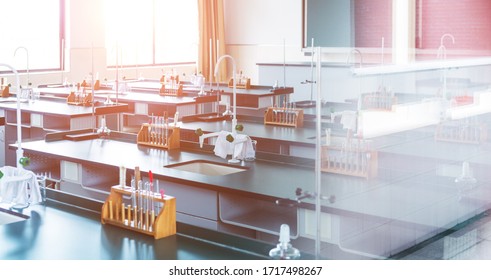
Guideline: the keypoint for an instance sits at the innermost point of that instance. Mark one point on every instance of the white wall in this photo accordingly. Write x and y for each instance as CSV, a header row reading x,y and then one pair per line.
x,y
263,31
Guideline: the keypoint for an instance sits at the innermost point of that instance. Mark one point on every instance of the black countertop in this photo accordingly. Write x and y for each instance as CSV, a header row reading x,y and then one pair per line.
x,y
148,92
266,179
128,97
57,108
257,180
272,178
55,231
404,175
191,90
299,135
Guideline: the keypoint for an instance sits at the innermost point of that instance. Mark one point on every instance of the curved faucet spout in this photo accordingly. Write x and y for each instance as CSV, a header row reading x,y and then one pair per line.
x,y
234,92
20,151
447,35
442,50
27,60
355,51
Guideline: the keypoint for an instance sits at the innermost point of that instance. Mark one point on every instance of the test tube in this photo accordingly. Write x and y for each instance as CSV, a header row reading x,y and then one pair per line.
x,y
135,217
133,192
145,209
152,198
157,191
166,131
122,177
290,113
161,130
140,203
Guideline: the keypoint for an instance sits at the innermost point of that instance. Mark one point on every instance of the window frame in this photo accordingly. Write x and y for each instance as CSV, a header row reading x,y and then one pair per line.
x,y
61,39
154,63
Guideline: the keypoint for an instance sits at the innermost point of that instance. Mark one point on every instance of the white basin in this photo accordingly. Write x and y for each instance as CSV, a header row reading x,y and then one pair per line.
x,y
207,168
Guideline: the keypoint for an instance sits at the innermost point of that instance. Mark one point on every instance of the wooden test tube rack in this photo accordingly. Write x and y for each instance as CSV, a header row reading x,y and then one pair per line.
x,y
464,134
164,224
242,84
164,137
5,91
176,90
284,116
378,101
354,162
85,100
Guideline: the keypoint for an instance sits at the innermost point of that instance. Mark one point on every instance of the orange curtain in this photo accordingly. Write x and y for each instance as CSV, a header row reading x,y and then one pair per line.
x,y
212,39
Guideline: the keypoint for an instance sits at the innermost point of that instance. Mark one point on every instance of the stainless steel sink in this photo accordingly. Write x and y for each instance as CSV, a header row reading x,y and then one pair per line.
x,y
205,167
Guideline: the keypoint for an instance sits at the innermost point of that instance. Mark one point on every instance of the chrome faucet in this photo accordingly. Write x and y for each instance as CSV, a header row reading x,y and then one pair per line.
x,y
27,61
202,137
234,90
355,51
103,130
442,50
442,54
20,151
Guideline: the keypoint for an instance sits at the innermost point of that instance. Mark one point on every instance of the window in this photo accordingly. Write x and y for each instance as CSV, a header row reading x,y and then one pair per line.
x,y
149,32
459,28
34,25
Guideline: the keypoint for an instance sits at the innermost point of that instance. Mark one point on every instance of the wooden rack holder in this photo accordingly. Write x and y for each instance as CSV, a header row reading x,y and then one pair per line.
x,y
377,102
86,100
242,85
471,134
348,165
172,77
172,91
97,85
5,91
115,212
284,116
172,141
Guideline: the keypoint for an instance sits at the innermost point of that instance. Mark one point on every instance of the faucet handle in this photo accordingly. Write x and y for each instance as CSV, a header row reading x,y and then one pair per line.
x,y
200,134
298,191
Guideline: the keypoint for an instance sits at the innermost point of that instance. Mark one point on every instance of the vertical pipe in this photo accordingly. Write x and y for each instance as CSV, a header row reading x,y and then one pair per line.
x,y
62,61
20,152
383,51
234,91
318,156
92,86
218,50
117,68
211,64
284,63
312,71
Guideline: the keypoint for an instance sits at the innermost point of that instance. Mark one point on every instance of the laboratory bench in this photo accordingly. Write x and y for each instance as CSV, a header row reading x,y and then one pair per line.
x,y
147,91
254,96
141,104
204,201
98,161
413,180
64,229
144,100
41,117
254,203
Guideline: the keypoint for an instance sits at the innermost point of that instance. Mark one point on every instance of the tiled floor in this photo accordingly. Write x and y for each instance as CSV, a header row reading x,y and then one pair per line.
x,y
470,241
